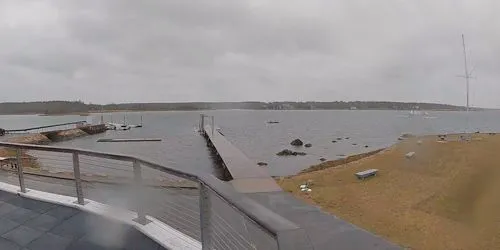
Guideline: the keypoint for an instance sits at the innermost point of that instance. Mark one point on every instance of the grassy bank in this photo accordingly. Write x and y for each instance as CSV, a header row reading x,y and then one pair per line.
x,y
443,198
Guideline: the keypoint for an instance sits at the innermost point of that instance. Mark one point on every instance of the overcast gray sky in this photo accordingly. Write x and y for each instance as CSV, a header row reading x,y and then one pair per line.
x,y
106,51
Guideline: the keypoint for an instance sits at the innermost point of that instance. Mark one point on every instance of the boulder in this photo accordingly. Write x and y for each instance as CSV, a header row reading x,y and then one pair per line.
x,y
407,135
410,155
297,142
322,159
262,164
288,152
308,145
334,141
285,152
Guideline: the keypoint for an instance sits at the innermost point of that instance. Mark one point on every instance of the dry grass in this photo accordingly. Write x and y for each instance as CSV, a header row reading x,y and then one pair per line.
x,y
37,139
444,198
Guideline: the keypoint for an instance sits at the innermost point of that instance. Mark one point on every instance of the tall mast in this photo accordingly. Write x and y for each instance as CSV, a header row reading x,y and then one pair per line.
x,y
467,76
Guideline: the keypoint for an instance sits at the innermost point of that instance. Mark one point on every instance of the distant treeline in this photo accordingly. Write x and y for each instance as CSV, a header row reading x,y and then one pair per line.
x,y
65,107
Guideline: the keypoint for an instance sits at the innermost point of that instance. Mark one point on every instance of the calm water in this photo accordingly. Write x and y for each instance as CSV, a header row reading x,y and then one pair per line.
x,y
183,148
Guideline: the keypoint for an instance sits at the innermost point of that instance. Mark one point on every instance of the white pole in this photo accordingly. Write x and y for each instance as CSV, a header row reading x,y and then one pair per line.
x,y
466,71
467,78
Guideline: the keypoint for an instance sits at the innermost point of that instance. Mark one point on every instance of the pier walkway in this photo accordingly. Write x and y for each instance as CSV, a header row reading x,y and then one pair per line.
x,y
247,176
324,231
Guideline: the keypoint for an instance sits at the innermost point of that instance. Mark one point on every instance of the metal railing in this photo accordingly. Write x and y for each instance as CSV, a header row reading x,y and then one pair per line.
x,y
197,204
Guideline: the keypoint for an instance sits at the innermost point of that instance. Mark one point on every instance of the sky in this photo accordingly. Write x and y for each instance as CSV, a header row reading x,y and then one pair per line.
x,y
116,51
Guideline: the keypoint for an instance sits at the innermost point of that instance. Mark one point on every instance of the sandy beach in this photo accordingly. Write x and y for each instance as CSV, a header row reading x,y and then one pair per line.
x,y
444,197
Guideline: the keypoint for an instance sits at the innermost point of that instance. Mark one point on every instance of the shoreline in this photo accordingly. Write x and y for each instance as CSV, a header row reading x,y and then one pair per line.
x,y
436,199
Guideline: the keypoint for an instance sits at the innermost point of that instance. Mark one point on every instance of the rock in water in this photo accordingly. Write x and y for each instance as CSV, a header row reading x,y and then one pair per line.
x,y
334,141
285,152
297,142
322,159
308,145
407,135
288,152
261,164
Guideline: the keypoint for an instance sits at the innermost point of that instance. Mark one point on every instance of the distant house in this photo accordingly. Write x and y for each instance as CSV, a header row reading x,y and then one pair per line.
x,y
353,108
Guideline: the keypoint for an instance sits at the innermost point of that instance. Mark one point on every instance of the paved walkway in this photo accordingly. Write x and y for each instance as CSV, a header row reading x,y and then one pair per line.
x,y
36,225
324,231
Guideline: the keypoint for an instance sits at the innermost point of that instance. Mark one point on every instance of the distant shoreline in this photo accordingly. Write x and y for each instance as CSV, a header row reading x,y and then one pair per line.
x,y
78,108
201,110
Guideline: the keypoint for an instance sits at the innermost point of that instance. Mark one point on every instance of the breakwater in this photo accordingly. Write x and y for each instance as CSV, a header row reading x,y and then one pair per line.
x,y
58,135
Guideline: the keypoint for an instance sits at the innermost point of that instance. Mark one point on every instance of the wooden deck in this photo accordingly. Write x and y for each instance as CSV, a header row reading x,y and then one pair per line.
x,y
247,176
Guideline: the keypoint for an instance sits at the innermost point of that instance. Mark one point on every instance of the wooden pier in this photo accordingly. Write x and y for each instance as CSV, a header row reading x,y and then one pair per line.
x,y
247,177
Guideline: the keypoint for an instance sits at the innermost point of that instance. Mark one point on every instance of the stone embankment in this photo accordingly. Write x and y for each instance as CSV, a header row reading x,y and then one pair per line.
x,y
58,135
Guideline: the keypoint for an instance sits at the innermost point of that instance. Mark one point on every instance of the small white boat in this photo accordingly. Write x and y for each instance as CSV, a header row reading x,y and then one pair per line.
x,y
118,126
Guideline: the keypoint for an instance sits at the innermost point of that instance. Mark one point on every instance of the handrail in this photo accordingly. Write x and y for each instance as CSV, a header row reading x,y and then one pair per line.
x,y
264,217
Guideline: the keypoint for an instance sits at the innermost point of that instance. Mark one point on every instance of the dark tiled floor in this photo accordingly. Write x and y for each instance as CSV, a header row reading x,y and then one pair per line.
x,y
34,225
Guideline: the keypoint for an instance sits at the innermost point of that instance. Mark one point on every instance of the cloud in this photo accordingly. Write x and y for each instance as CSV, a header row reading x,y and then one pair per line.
x,y
225,50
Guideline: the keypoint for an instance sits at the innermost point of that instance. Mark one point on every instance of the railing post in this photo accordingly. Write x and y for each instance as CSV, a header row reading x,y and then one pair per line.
x,y
213,124
78,179
202,122
20,172
141,216
205,214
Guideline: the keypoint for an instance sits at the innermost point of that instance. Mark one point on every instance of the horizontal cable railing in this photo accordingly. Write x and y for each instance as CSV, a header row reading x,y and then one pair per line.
x,y
198,205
